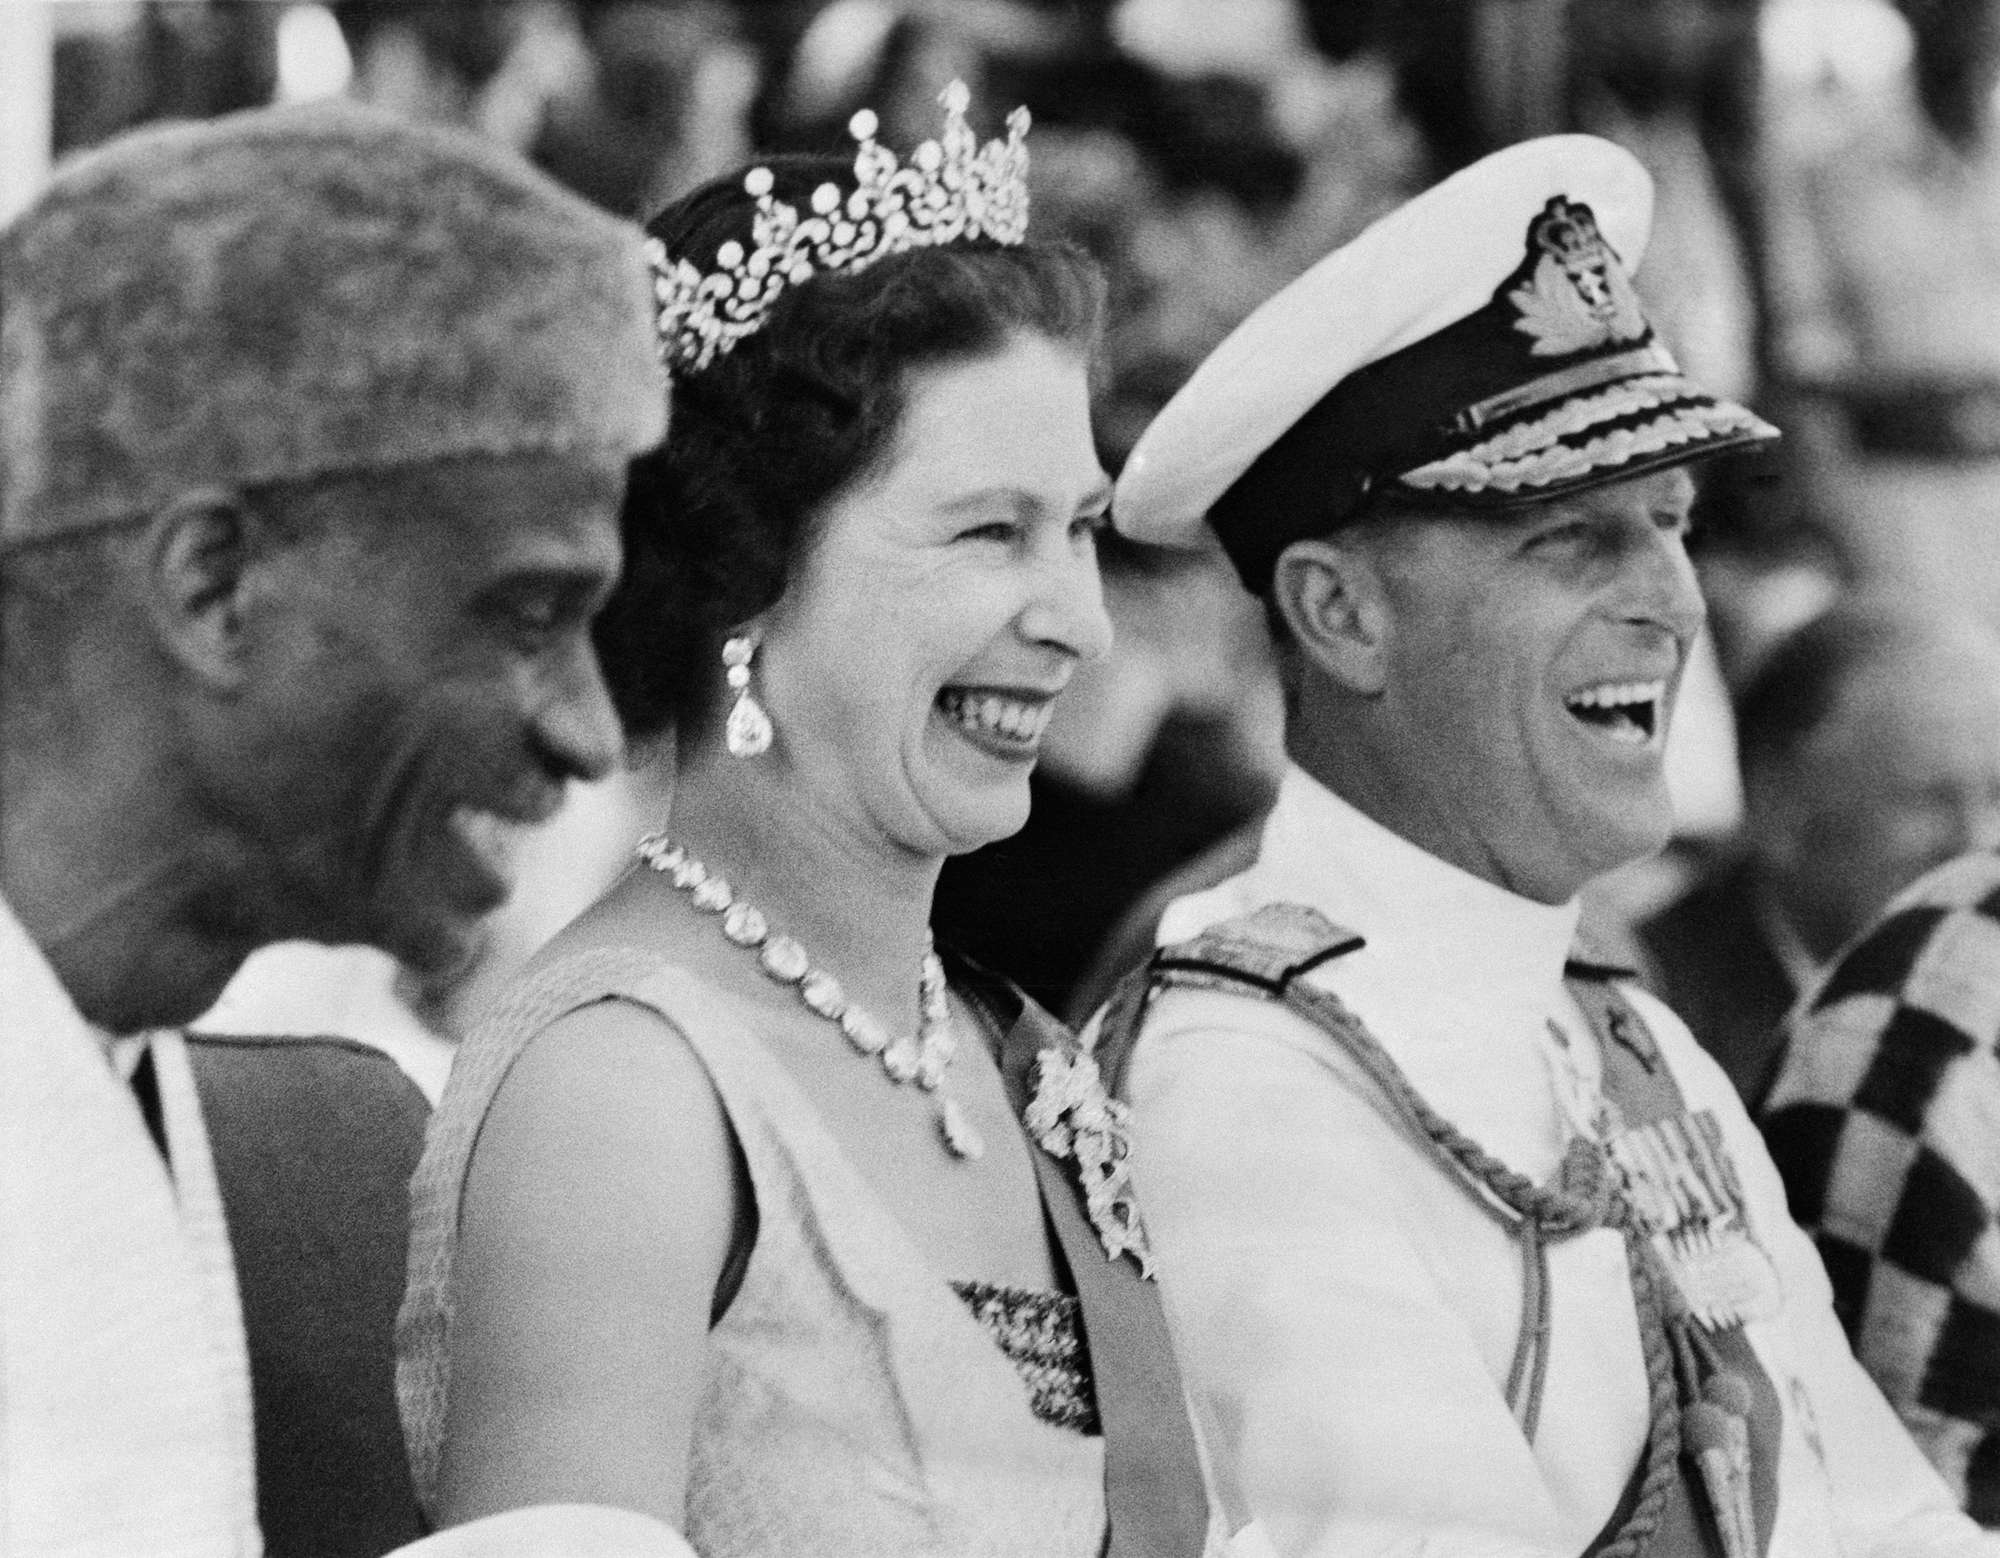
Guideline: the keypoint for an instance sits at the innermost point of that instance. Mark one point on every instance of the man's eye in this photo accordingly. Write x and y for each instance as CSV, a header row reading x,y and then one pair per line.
x,y
1560,536
531,619
1091,525
992,530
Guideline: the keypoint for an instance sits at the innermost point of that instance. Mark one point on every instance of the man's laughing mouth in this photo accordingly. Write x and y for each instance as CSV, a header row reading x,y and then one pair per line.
x,y
1633,713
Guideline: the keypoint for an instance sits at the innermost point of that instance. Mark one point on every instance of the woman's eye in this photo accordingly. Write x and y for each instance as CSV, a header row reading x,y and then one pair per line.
x,y
992,530
1091,525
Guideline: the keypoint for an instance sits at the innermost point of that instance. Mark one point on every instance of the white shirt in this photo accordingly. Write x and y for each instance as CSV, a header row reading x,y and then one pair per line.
x,y
125,1411
1345,1315
124,1376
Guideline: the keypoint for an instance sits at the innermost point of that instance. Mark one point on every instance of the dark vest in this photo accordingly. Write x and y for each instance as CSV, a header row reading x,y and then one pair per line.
x,y
314,1142
1263,954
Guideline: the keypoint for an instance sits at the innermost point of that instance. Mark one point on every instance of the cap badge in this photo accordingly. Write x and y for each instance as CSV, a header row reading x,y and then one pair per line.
x,y
1578,297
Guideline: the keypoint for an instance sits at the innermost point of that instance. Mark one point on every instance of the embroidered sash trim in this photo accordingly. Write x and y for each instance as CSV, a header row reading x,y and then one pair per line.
x,y
1154,1493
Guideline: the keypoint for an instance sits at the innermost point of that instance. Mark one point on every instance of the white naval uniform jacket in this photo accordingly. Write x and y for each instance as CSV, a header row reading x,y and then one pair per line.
x,y
1343,1312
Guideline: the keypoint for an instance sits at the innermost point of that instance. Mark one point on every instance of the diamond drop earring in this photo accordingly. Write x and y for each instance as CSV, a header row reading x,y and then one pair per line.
x,y
748,732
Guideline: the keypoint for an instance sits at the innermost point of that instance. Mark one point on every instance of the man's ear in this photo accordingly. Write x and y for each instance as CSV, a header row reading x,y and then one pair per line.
x,y
193,562
1330,593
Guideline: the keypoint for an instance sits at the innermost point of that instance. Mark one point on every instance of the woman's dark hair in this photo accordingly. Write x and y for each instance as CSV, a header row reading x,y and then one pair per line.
x,y
766,434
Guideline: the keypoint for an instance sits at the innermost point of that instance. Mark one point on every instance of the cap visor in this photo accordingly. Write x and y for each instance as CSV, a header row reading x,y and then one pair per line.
x,y
1629,428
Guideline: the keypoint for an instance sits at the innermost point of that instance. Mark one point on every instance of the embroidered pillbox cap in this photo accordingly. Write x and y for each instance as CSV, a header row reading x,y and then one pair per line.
x,y
305,291
1480,348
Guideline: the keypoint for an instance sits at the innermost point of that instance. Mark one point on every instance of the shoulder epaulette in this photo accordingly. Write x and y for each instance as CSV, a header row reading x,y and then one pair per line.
x,y
1585,961
1264,950
1268,947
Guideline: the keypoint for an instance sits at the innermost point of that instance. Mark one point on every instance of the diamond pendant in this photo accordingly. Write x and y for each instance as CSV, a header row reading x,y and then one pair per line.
x,y
748,731
902,1058
961,1136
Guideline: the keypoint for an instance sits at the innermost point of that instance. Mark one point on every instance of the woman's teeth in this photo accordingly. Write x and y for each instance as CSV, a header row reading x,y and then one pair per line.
x,y
1626,711
992,715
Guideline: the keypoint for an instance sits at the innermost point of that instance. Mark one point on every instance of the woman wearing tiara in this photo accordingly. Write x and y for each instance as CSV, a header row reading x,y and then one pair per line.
x,y
730,1215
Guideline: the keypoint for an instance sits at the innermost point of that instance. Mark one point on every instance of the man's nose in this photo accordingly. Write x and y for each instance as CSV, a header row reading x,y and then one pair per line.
x,y
575,727
1661,586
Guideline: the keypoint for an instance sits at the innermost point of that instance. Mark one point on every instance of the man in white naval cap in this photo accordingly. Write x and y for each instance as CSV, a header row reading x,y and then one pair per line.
x,y
313,434
1466,1247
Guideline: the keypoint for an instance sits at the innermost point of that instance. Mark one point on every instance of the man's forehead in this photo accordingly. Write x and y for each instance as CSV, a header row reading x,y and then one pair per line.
x,y
557,510
1658,494
1671,489
1662,494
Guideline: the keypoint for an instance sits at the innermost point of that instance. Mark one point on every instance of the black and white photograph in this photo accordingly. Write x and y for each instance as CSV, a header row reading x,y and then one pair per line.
x,y
999,778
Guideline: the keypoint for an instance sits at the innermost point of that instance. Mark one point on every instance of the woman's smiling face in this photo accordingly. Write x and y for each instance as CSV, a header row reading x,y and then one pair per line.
x,y
942,604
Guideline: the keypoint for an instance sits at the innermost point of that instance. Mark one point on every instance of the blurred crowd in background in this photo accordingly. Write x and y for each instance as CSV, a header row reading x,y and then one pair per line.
x,y
1827,249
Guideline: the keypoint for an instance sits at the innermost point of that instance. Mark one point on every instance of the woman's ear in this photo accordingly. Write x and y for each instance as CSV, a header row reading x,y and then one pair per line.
x,y
1329,591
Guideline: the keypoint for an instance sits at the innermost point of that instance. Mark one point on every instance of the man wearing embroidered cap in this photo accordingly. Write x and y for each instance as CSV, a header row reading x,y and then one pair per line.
x,y
313,433
1463,1241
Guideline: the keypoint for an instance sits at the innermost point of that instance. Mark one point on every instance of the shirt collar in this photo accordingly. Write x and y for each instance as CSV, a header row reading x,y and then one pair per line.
x,y
32,982
1440,926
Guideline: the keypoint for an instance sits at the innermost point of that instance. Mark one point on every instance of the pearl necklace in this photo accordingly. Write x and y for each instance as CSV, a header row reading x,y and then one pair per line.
x,y
919,1057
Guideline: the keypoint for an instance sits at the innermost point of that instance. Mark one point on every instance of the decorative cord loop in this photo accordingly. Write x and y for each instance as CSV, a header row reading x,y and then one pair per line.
x,y
1582,1196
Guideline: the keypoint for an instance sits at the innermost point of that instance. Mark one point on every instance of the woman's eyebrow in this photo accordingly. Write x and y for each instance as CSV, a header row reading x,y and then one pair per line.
x,y
1024,502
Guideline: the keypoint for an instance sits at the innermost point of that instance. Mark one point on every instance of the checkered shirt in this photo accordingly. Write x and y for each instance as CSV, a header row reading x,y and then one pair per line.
x,y
1885,1122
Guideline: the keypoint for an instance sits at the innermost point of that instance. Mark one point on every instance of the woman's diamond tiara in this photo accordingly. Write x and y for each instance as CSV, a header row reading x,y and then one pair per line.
x,y
952,188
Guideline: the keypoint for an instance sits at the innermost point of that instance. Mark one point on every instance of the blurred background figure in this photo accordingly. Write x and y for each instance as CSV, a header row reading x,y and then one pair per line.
x,y
663,104
1673,82
488,65
1870,745
1882,194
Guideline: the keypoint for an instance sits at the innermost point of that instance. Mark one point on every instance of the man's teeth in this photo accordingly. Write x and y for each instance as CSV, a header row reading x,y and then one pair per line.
x,y
993,715
1629,711
492,838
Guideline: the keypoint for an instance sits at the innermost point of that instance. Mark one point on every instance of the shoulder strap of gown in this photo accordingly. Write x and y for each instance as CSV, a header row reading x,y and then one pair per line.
x,y
1153,1489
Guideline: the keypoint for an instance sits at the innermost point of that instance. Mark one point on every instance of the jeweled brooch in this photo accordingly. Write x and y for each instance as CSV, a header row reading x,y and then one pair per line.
x,y
1073,1117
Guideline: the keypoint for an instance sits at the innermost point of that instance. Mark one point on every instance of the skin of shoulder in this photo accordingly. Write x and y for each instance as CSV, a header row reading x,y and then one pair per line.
x,y
596,1220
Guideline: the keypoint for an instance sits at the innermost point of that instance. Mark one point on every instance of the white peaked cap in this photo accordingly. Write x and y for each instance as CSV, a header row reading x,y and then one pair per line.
x,y
1479,347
